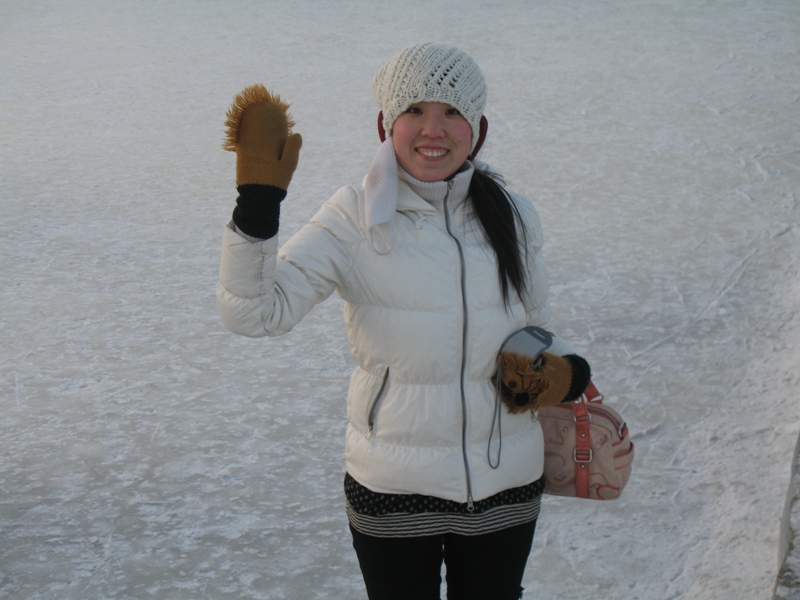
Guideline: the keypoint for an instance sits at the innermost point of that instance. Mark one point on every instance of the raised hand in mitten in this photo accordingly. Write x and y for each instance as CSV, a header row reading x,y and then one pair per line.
x,y
530,384
259,130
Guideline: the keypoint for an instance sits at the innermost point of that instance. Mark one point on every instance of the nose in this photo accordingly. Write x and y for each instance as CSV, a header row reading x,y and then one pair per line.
x,y
433,126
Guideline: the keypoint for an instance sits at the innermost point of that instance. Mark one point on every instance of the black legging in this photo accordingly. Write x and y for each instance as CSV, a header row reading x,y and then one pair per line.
x,y
481,567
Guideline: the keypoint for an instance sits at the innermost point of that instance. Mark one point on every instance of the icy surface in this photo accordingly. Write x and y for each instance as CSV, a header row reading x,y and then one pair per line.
x,y
147,452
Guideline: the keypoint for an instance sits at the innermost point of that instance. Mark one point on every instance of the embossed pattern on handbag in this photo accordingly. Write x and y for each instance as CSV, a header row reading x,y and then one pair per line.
x,y
588,452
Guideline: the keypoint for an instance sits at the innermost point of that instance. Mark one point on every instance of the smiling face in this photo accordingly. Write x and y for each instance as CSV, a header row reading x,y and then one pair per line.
x,y
431,140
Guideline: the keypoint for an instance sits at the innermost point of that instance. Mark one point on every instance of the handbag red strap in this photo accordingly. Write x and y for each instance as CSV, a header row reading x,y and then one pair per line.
x,y
583,445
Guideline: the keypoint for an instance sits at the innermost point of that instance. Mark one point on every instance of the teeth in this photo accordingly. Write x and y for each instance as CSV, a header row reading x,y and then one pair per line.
x,y
433,153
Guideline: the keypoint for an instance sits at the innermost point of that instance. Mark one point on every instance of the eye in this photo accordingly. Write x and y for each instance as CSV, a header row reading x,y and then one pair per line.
x,y
414,110
454,111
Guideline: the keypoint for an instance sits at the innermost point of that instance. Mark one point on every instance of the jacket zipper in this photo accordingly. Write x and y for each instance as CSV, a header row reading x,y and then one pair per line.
x,y
373,409
470,502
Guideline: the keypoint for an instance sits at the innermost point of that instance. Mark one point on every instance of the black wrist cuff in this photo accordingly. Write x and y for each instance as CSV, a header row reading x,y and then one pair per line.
x,y
258,209
581,375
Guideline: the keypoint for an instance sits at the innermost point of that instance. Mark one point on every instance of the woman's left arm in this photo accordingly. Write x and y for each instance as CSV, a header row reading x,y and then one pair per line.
x,y
537,306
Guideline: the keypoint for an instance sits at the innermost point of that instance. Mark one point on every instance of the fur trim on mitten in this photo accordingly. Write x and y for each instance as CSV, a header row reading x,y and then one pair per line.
x,y
530,384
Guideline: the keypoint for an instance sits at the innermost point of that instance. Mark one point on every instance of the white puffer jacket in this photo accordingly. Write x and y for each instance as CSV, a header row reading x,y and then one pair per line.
x,y
424,322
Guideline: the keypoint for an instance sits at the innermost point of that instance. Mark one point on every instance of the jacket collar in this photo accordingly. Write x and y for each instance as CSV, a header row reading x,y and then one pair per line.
x,y
389,189
432,193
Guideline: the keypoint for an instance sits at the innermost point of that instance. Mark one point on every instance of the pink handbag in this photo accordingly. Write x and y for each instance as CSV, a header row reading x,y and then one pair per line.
x,y
588,452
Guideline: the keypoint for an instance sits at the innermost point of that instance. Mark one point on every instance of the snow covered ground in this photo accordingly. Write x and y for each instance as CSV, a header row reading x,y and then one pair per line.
x,y
147,452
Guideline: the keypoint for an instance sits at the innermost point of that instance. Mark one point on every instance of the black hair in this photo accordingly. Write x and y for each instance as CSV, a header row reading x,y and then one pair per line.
x,y
504,229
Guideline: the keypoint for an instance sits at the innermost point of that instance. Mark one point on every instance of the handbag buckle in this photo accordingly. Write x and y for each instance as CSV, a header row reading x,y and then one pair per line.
x,y
584,453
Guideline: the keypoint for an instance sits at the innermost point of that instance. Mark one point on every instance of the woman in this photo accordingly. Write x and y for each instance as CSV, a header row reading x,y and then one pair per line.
x,y
437,263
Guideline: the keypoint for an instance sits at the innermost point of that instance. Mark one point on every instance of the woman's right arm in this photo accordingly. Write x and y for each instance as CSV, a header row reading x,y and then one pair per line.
x,y
263,290
267,152
266,291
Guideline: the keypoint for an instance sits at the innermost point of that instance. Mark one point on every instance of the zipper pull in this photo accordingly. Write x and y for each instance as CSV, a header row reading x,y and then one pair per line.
x,y
470,503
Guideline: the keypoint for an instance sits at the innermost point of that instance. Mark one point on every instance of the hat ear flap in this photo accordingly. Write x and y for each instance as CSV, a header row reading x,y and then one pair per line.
x,y
482,129
381,131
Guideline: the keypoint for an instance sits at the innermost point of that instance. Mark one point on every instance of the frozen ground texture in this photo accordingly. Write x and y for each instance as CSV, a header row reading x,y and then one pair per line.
x,y
147,452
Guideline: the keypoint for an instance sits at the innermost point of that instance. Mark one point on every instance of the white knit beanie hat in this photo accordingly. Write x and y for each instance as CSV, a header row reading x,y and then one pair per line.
x,y
431,73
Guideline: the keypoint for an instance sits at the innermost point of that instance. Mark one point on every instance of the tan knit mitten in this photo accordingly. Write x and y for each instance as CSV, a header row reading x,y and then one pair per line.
x,y
527,385
259,131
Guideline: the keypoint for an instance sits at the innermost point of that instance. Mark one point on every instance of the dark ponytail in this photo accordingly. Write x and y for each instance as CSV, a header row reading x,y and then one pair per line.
x,y
501,223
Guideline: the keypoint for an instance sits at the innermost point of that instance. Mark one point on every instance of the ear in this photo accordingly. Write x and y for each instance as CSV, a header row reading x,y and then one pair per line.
x,y
483,128
381,132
